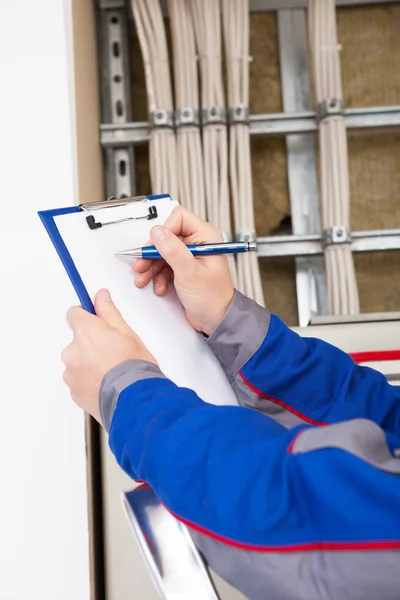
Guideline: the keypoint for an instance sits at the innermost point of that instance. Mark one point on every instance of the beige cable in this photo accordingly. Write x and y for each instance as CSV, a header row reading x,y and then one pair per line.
x,y
335,193
189,148
162,146
235,18
207,25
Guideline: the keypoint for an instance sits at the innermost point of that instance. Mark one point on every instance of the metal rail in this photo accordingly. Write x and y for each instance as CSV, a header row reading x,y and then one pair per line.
x,y
279,124
310,245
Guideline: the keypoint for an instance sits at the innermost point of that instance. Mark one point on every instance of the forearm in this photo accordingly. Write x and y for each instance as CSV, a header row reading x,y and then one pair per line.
x,y
240,475
296,379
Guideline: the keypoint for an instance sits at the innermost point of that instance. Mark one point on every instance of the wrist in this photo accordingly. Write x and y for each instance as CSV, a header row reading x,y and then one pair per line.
x,y
239,334
218,314
118,379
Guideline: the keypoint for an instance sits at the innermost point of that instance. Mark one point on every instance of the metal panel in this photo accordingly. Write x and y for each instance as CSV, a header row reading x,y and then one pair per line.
x,y
267,5
270,5
116,104
377,317
112,4
177,569
301,161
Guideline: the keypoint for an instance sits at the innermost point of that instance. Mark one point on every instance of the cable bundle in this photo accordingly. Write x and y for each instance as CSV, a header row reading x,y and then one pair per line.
x,y
207,26
187,120
162,148
335,193
235,16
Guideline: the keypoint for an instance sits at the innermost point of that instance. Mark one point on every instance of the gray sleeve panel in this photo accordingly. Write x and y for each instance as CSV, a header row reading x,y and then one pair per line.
x,y
119,378
361,437
248,398
239,335
236,339
316,575
324,575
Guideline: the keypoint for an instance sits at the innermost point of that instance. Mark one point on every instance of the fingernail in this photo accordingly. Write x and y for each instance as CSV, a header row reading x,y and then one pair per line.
x,y
105,295
158,233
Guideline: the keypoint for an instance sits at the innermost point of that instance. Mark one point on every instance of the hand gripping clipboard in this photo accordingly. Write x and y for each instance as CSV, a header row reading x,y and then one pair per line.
x,y
86,238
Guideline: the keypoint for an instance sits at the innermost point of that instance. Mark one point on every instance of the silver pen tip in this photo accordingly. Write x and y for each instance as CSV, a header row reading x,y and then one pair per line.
x,y
134,253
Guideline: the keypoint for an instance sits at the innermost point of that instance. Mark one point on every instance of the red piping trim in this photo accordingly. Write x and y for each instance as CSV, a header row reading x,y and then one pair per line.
x,y
289,449
373,356
305,547
143,486
280,403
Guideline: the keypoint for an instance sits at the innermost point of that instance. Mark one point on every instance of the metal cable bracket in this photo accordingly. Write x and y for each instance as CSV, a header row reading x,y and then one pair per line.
x,y
187,117
162,118
331,107
239,114
246,235
339,234
213,116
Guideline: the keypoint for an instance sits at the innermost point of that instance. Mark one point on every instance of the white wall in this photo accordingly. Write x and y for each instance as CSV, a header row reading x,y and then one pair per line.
x,y
43,513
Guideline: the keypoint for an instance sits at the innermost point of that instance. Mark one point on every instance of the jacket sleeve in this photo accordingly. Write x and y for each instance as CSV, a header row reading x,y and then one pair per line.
x,y
240,476
297,379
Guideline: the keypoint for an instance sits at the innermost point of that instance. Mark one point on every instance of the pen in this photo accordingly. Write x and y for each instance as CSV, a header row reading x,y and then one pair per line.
x,y
196,250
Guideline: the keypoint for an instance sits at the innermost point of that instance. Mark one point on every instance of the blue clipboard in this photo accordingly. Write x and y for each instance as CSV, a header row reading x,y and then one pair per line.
x,y
47,217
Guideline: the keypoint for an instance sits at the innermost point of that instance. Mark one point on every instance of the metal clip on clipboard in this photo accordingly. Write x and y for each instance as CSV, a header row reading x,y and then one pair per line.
x,y
114,203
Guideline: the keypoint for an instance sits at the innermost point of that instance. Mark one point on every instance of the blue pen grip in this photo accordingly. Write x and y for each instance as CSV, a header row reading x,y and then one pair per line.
x,y
204,249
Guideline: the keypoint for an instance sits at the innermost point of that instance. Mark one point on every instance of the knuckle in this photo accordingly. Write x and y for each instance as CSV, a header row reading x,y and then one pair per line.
x,y
173,250
65,355
218,234
66,377
79,330
71,313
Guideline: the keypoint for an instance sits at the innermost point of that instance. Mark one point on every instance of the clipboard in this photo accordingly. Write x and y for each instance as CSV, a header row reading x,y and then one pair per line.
x,y
86,238
48,218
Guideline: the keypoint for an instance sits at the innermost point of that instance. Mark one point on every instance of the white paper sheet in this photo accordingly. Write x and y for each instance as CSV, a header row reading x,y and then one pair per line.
x,y
182,353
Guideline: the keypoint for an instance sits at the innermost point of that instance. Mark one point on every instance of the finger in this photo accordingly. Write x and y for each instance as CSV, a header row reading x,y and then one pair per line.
x,y
175,253
109,313
186,224
77,317
67,377
66,355
162,279
142,264
143,279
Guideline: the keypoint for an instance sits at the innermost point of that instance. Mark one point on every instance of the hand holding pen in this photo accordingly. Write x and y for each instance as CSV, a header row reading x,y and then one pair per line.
x,y
196,249
203,284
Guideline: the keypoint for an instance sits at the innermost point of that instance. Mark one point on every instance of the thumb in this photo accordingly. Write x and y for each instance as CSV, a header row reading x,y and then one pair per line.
x,y
174,252
109,313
